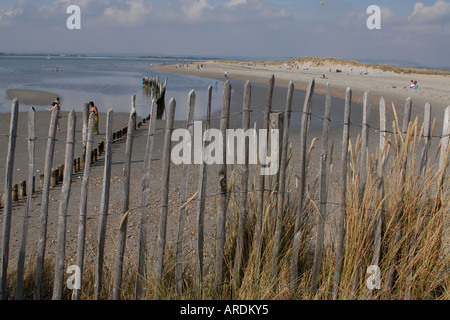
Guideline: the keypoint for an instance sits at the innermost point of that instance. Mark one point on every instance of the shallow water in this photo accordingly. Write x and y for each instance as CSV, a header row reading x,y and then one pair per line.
x,y
108,82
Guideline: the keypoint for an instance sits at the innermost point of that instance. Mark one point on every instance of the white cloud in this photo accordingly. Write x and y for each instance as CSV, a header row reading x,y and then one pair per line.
x,y
235,3
58,7
10,12
437,13
387,15
198,11
282,13
193,11
135,14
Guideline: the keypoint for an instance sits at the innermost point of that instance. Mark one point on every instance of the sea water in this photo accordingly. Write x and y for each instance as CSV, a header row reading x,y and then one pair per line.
x,y
109,82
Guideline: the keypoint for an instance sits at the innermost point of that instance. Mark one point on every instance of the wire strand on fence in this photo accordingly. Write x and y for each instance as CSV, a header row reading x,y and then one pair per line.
x,y
192,199
239,113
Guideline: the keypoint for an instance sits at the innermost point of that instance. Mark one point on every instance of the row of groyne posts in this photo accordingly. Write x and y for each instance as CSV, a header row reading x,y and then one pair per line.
x,y
156,89
222,195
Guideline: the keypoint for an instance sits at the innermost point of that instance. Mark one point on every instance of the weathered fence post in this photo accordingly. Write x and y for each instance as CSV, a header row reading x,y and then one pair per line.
x,y
261,182
223,196
8,187
443,160
183,194
276,123
104,204
83,205
243,187
343,182
426,137
302,177
201,193
23,243
320,235
159,267
364,143
406,115
382,152
86,112
133,104
118,265
62,217
381,163
145,200
282,179
443,164
45,204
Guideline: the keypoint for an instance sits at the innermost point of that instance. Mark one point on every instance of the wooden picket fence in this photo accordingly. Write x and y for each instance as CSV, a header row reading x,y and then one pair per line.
x,y
272,120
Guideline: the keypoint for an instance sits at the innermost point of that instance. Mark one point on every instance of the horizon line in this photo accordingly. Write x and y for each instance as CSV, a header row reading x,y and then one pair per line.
x,y
372,61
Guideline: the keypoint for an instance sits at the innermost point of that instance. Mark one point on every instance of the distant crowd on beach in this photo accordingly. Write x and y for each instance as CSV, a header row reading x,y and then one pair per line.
x,y
182,65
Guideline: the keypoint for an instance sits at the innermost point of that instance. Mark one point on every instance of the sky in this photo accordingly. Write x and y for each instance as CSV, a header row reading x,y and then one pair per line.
x,y
410,30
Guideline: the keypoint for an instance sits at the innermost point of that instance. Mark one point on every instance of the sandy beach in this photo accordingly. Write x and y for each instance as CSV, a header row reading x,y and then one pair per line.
x,y
394,88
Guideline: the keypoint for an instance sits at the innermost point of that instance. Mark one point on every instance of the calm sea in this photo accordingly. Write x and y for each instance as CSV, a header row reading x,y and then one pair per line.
x,y
109,82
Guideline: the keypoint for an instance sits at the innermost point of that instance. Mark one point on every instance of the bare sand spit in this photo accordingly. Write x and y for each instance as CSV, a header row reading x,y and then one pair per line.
x,y
32,97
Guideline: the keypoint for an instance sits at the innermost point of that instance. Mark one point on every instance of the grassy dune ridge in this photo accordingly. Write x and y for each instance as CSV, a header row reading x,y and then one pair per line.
x,y
323,62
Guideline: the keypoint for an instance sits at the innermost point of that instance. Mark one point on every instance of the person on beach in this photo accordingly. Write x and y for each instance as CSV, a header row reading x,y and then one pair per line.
x,y
56,105
226,74
58,101
93,109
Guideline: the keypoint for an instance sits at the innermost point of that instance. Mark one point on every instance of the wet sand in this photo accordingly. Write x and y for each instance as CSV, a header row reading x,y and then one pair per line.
x,y
32,97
